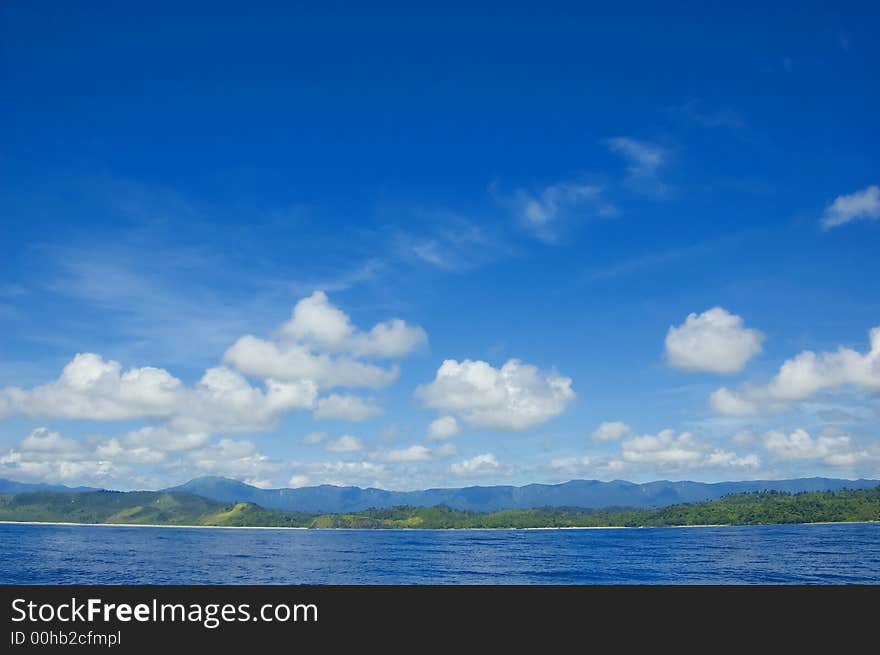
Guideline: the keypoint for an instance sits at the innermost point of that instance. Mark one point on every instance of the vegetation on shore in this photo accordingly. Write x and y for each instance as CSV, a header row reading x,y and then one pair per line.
x,y
174,508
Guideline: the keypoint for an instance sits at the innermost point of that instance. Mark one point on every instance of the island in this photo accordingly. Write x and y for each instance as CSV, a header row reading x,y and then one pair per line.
x,y
166,508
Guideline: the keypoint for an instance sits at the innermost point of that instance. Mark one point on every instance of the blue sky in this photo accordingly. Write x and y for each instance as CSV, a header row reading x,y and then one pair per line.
x,y
587,244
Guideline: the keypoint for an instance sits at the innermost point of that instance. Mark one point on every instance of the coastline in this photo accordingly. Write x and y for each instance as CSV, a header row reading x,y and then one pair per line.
x,y
280,527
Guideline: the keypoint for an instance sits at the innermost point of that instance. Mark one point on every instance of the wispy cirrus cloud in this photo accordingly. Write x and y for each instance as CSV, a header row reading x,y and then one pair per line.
x,y
644,158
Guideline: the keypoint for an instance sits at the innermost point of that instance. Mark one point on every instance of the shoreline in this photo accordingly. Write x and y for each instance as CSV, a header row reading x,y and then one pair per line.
x,y
282,527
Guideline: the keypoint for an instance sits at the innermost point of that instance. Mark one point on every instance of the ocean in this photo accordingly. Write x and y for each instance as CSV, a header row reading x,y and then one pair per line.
x,y
777,554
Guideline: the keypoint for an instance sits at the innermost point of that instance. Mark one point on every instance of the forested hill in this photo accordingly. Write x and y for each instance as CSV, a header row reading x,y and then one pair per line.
x,y
181,509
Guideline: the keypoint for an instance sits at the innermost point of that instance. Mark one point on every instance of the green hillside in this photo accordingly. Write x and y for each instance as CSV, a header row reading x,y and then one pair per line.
x,y
140,507
176,508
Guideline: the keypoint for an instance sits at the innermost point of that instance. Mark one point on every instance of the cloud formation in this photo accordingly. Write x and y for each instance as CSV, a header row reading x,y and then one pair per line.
x,y
803,376
611,431
715,341
443,428
317,323
548,211
321,344
860,205
477,466
832,450
515,397
91,388
682,450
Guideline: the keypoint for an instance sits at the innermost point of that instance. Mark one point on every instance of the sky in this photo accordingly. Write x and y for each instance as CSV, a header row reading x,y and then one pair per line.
x,y
438,246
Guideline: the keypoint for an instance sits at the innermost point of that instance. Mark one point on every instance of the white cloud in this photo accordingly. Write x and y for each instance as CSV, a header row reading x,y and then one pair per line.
x,y
343,473
297,481
611,431
644,158
805,375
114,450
864,204
715,341
684,450
731,403
46,456
539,210
443,428
416,453
344,444
90,388
346,408
292,361
236,459
829,449
808,372
42,440
479,465
664,448
224,401
516,396
574,465
320,343
164,438
419,453
544,212
150,444
320,324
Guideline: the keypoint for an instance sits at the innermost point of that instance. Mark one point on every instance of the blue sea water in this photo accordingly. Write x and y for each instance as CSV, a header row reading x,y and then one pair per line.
x,y
791,554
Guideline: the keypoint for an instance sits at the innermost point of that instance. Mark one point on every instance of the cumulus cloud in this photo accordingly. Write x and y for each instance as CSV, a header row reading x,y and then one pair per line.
x,y
863,204
91,388
341,473
315,321
412,454
477,466
346,408
292,361
681,451
321,344
515,397
237,459
443,428
344,444
732,403
611,431
803,376
224,401
45,456
830,449
715,341
42,440
419,453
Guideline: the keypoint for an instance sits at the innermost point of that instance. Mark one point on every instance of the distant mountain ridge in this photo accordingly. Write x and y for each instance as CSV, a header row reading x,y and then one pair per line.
x,y
589,494
13,487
